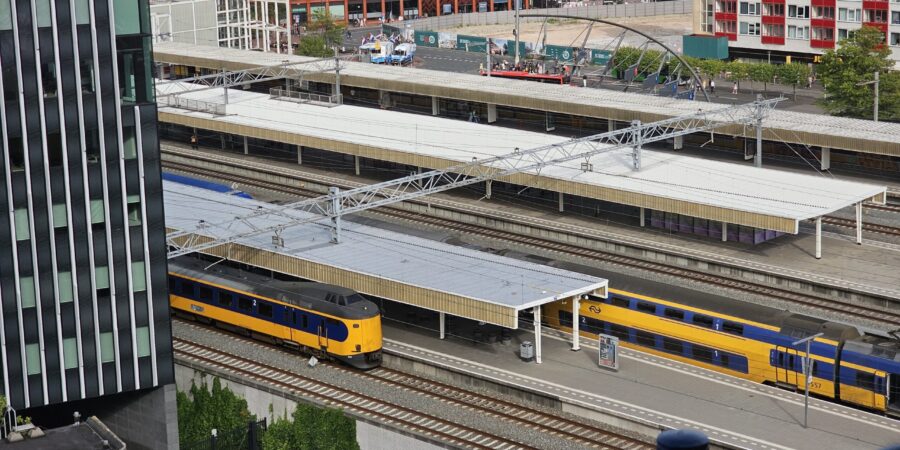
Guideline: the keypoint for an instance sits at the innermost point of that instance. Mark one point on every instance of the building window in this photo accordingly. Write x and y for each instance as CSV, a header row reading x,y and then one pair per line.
x,y
128,140
842,33
70,353
98,212
23,233
42,11
798,12
751,29
128,17
824,12
5,15
876,15
773,9
895,39
795,32
59,216
48,78
26,287
66,293
751,9
773,30
138,276
823,34
87,76
134,210
33,358
143,341
101,277
107,348
895,17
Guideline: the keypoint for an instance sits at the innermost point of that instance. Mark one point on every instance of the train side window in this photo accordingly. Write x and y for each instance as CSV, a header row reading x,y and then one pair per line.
x,y
226,299
702,320
646,307
619,301
618,331
591,325
676,314
565,318
646,339
304,321
245,303
723,359
204,293
265,309
187,289
702,354
865,380
732,327
673,345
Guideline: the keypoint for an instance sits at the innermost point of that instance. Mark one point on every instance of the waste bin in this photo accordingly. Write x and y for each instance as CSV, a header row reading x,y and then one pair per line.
x,y
526,351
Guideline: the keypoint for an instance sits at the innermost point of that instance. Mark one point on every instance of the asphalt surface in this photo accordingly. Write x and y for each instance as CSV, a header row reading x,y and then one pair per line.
x,y
449,60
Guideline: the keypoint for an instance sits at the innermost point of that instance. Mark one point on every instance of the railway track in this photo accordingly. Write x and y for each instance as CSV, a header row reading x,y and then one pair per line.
x,y
870,227
335,396
517,415
864,312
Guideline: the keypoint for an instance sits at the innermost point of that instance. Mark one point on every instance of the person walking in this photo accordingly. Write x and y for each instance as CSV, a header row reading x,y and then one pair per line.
x,y
734,89
712,86
194,141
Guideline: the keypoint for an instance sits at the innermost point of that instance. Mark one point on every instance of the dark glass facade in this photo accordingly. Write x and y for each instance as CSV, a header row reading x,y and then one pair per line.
x,y
82,242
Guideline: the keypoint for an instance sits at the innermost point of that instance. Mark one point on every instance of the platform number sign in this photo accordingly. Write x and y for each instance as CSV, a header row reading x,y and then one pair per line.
x,y
609,352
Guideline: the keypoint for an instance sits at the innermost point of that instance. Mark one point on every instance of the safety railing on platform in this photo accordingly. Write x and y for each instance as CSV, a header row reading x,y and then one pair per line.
x,y
192,104
305,97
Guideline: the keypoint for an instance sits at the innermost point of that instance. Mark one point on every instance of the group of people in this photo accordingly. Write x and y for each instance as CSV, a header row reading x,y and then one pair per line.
x,y
395,38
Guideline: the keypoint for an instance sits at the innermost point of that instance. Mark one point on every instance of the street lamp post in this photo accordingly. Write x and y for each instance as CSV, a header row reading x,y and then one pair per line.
x,y
875,82
807,364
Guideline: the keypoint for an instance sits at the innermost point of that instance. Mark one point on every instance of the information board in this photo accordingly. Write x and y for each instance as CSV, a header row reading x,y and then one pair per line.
x,y
609,352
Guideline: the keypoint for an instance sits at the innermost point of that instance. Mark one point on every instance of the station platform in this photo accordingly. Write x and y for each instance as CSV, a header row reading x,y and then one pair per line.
x,y
868,268
653,390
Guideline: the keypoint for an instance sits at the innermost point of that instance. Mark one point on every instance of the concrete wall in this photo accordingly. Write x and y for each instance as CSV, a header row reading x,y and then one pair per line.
x,y
146,421
594,12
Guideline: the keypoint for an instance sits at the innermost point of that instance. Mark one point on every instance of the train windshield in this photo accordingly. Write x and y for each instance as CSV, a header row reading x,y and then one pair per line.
x,y
355,298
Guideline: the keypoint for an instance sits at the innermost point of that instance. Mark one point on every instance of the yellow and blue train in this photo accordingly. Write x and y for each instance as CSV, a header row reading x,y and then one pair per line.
x,y
846,366
320,319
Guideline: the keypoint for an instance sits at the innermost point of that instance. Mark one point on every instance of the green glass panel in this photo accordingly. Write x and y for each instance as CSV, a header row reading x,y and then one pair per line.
x,y
33,358
138,276
70,353
128,140
102,277
65,287
97,211
59,216
128,17
42,11
143,341
22,230
5,15
82,12
107,349
26,285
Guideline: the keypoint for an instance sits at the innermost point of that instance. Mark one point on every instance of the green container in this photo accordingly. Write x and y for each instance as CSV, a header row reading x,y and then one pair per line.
x,y
471,43
704,46
426,38
600,57
559,52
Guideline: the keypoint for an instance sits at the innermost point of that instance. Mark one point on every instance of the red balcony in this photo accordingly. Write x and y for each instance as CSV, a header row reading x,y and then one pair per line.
x,y
726,17
819,43
831,3
777,40
821,23
875,4
730,36
883,26
775,2
773,20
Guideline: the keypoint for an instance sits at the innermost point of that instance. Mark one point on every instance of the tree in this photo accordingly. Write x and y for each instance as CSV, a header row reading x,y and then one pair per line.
x,y
739,71
762,73
323,34
206,409
312,428
792,74
855,61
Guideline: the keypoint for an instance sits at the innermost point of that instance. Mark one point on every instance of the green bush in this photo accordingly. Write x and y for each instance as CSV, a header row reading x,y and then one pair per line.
x,y
206,409
312,428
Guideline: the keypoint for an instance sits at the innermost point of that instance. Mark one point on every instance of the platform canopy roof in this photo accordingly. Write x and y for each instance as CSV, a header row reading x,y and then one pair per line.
x,y
387,264
863,136
736,193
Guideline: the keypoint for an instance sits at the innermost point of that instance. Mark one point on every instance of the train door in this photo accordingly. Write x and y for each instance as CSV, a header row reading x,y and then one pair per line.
x,y
322,332
893,393
787,363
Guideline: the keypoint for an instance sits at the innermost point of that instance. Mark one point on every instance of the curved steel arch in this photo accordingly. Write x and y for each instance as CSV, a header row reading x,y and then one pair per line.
x,y
626,27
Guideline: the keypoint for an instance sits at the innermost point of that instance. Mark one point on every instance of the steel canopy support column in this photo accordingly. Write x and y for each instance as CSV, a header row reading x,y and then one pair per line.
x,y
561,201
826,158
492,112
819,237
442,319
335,214
487,189
435,106
299,155
642,217
859,223
246,147
724,231
610,124
537,334
760,111
576,322
356,164
679,142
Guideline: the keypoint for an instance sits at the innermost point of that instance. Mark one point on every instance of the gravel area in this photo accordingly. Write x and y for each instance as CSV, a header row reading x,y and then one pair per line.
x,y
273,356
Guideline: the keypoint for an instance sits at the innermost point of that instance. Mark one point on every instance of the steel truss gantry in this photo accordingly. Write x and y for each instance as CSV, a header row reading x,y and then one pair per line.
x,y
336,203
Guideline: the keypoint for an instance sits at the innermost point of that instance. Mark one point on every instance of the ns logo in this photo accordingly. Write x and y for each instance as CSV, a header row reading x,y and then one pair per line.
x,y
594,309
